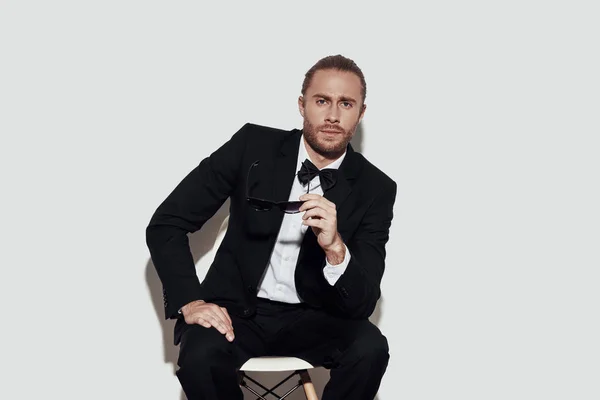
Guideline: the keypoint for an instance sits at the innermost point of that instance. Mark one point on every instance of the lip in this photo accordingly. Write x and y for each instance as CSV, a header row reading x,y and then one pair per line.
x,y
330,131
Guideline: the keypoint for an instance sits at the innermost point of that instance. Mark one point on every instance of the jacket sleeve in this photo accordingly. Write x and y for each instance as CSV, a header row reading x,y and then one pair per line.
x,y
193,201
358,289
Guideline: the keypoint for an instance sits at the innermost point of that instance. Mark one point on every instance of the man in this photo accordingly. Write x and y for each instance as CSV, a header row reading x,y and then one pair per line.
x,y
299,269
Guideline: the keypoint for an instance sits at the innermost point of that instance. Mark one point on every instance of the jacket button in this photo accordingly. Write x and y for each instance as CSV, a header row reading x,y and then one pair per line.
x,y
250,289
246,312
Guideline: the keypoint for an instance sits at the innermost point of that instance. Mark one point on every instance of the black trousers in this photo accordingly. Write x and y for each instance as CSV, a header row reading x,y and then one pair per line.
x,y
355,351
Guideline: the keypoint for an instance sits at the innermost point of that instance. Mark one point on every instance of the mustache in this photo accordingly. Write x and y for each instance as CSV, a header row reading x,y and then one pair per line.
x,y
328,127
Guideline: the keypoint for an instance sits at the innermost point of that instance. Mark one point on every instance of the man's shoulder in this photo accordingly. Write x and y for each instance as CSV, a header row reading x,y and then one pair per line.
x,y
267,132
374,175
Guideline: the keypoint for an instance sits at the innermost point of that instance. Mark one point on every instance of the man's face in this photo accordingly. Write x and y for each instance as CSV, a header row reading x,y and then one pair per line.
x,y
332,107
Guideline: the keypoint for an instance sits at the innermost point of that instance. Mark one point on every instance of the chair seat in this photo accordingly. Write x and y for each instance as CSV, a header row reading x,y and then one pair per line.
x,y
275,364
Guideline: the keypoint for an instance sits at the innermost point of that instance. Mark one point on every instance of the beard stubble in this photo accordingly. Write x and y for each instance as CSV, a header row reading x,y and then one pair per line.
x,y
330,150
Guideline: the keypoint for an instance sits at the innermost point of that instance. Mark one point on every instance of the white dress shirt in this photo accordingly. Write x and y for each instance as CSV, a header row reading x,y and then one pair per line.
x,y
278,281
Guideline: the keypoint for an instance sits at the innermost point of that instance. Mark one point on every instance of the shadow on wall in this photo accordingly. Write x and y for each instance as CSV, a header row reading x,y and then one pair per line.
x,y
357,139
201,244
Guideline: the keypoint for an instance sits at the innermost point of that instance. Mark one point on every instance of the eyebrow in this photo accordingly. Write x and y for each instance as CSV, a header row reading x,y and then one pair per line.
x,y
342,98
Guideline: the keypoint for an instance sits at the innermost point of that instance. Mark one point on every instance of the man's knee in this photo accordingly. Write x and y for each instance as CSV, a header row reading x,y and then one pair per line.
x,y
204,347
370,345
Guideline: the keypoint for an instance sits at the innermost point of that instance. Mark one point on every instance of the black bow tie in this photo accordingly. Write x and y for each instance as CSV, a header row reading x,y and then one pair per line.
x,y
308,171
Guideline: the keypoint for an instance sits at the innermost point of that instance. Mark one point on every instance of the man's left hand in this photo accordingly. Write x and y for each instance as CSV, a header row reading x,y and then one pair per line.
x,y
321,215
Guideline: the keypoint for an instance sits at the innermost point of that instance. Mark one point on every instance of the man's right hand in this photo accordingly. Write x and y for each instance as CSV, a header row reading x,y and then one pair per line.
x,y
209,315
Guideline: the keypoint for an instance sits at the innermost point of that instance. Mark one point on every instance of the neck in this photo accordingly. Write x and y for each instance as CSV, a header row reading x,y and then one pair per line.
x,y
321,160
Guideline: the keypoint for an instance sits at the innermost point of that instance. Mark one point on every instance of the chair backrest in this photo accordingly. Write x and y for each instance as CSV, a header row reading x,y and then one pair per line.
x,y
210,255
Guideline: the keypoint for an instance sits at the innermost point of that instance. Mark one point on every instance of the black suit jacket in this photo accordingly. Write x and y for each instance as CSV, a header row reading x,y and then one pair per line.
x,y
364,198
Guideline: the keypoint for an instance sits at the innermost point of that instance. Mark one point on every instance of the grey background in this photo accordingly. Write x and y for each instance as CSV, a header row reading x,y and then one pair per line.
x,y
485,114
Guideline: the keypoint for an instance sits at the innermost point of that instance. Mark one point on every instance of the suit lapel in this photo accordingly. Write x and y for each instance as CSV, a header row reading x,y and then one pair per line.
x,y
347,173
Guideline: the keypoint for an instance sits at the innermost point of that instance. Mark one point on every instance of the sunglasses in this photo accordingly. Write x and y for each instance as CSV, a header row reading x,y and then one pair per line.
x,y
288,207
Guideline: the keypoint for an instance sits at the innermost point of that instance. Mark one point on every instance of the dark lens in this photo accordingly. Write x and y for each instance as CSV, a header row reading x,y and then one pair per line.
x,y
259,204
291,207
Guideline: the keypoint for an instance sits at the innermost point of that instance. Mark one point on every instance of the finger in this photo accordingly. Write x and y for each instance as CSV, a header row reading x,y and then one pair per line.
x,y
315,223
217,323
215,311
223,318
224,326
307,205
203,322
223,322
227,315
230,335
310,196
318,212
221,327
315,197
321,206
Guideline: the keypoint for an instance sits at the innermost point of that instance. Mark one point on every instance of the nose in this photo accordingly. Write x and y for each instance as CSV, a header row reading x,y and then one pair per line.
x,y
333,115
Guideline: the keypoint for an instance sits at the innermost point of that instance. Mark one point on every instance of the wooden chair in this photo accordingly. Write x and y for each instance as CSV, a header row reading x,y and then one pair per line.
x,y
272,364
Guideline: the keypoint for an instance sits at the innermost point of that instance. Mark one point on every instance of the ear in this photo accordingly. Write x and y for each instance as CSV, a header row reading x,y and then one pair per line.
x,y
301,105
362,112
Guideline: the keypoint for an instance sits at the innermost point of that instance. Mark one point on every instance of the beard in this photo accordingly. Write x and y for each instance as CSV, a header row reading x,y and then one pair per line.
x,y
328,148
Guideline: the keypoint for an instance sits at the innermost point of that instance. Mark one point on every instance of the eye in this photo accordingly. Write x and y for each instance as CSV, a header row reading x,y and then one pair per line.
x,y
321,102
346,104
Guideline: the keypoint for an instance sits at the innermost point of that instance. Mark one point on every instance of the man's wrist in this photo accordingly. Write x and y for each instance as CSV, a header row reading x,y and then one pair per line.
x,y
336,253
184,309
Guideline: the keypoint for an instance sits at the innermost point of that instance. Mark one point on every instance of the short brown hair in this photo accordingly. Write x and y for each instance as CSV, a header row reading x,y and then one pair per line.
x,y
337,62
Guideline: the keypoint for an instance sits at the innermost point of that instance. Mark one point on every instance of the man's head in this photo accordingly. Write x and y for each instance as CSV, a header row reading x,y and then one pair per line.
x,y
332,104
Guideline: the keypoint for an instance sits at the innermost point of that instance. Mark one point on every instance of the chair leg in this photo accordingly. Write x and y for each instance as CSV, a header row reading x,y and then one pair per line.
x,y
309,388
